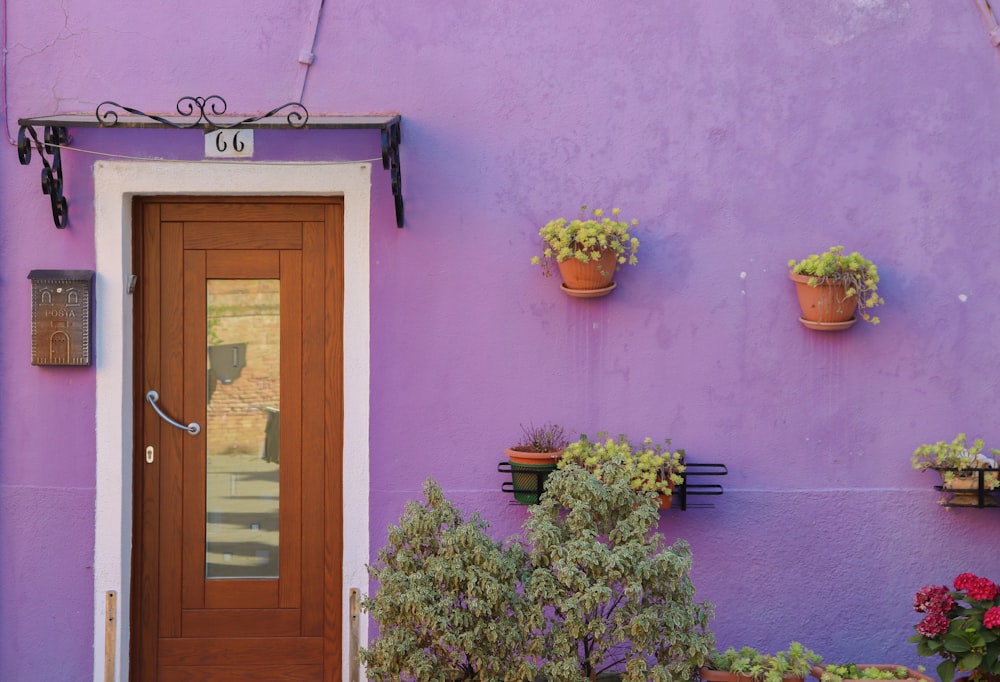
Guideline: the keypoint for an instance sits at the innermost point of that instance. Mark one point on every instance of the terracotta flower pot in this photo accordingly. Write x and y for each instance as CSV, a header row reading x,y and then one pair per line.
x,y
667,500
963,487
710,675
528,471
825,307
590,279
912,675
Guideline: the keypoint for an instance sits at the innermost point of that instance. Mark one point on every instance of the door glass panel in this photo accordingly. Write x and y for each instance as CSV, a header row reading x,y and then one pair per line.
x,y
242,429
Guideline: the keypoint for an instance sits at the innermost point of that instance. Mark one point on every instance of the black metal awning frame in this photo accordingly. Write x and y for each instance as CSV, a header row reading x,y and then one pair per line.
x,y
203,113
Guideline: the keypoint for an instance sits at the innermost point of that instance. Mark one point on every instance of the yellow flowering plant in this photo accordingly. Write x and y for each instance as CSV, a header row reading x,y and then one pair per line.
x,y
587,238
857,273
651,466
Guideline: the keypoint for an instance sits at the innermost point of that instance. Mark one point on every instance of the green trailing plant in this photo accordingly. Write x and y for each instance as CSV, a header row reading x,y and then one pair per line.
x,y
833,672
858,274
796,661
956,458
587,238
448,605
545,438
649,466
604,594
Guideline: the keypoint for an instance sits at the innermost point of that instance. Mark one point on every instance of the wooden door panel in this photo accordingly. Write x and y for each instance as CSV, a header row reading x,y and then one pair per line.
x,y
248,650
242,622
264,673
290,519
243,264
229,627
242,235
247,594
238,210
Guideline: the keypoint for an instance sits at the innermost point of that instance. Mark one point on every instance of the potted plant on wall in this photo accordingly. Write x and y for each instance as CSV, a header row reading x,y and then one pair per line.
x,y
650,466
833,286
965,469
750,665
533,458
962,626
588,251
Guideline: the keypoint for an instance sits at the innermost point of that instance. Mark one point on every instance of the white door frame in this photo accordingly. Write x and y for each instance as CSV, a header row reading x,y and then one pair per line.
x,y
115,183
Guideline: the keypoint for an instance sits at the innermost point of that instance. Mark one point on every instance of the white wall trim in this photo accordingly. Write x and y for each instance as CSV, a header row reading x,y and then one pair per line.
x,y
115,183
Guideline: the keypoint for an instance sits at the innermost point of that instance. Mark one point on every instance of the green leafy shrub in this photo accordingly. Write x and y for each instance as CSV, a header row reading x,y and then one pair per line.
x,y
603,593
598,592
448,605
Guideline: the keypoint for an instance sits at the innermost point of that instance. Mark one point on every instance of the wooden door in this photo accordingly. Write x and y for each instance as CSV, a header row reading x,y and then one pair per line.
x,y
237,572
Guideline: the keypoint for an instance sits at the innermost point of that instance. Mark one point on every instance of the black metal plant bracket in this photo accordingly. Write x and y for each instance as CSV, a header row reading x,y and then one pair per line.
x,y
205,113
52,177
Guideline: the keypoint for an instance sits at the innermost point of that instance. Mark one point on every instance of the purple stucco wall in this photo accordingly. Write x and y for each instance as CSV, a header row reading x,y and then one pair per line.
x,y
739,134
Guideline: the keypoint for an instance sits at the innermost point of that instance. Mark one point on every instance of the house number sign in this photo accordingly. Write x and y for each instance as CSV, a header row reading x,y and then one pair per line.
x,y
232,143
61,316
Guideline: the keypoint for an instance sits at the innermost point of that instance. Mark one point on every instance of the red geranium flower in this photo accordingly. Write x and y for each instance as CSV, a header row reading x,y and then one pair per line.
x,y
933,624
991,619
964,580
933,599
982,589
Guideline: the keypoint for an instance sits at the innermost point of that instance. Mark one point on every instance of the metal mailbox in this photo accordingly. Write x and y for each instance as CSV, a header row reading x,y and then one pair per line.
x,y
61,306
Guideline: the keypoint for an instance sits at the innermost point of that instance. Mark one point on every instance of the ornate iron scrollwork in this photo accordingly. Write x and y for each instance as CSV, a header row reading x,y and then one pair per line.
x,y
198,112
52,177
391,135
204,113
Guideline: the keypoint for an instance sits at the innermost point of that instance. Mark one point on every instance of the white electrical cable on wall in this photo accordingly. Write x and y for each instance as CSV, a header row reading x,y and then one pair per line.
x,y
986,10
307,56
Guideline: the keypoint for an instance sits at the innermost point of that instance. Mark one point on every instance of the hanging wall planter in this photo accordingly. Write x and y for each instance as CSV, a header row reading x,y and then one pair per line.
x,y
969,473
825,307
591,279
587,251
532,460
834,289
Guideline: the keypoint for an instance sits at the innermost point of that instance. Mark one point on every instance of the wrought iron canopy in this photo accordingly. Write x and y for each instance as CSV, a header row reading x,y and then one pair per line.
x,y
200,113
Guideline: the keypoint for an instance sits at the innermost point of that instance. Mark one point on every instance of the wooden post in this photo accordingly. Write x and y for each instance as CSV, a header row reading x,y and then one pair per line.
x,y
110,616
354,662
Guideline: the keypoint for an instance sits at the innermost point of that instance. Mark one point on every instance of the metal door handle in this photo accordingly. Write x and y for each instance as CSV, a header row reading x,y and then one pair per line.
x,y
192,428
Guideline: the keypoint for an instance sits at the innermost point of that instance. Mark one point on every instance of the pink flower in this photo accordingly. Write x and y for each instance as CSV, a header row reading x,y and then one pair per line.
x,y
991,619
964,580
982,589
933,599
933,624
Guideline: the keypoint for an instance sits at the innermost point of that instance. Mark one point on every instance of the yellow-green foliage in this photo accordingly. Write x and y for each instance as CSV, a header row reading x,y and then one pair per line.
x,y
851,671
587,238
957,456
796,661
858,273
649,466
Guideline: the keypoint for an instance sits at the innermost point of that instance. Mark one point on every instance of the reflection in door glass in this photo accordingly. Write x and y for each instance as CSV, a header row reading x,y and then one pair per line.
x,y
242,432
